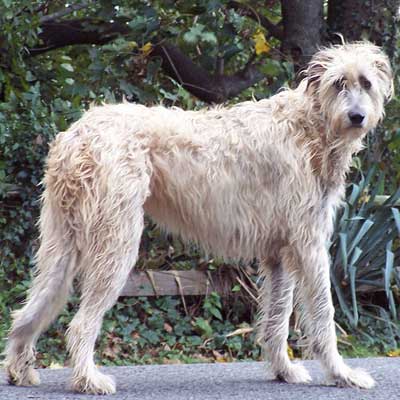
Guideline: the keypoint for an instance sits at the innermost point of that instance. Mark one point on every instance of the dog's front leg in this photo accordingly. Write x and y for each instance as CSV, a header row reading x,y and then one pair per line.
x,y
276,300
313,264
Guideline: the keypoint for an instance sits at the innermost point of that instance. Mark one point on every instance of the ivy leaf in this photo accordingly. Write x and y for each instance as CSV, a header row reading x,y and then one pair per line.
x,y
203,327
192,36
236,288
67,67
208,37
197,34
151,336
216,313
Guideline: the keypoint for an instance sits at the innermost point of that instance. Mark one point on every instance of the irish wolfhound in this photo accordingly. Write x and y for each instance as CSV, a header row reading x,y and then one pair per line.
x,y
260,179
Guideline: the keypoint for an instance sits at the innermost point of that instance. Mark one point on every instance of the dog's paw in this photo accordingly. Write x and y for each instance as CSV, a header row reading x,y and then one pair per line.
x,y
96,383
356,378
295,373
33,376
26,377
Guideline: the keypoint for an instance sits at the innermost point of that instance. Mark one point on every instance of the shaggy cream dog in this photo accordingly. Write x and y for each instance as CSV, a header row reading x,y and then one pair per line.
x,y
260,179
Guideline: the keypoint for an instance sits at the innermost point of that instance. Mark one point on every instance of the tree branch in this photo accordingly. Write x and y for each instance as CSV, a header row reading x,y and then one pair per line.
x,y
248,11
62,13
211,88
56,34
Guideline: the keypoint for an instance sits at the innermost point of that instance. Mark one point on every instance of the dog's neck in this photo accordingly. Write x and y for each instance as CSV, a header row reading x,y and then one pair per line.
x,y
336,161
331,156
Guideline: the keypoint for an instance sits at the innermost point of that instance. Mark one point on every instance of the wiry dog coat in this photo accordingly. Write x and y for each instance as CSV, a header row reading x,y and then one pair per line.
x,y
260,179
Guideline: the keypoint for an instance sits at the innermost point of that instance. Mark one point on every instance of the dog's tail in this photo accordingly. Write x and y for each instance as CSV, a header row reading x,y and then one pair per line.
x,y
54,272
56,261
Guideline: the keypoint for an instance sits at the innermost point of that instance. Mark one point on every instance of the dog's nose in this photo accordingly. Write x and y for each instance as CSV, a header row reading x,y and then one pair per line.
x,y
356,118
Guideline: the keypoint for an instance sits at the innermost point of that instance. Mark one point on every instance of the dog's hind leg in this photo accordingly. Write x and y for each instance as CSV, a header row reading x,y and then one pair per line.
x,y
313,262
55,261
276,307
115,228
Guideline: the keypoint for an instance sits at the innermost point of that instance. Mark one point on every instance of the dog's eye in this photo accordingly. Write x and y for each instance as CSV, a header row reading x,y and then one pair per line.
x,y
339,84
365,83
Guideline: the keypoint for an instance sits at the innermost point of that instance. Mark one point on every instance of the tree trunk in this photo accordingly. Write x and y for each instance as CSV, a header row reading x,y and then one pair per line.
x,y
303,29
374,20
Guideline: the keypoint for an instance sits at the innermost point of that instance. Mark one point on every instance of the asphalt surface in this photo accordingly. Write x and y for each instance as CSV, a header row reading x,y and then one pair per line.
x,y
241,380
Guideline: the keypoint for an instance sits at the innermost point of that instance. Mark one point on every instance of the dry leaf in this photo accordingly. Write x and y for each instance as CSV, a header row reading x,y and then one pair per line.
x,y
220,358
135,335
261,44
240,331
168,327
290,353
146,49
394,353
55,365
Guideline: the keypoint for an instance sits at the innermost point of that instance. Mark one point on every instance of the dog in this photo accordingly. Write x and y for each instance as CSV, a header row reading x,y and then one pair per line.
x,y
261,179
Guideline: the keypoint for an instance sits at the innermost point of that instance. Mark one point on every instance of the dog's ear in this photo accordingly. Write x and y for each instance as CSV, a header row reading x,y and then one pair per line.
x,y
316,68
385,75
313,74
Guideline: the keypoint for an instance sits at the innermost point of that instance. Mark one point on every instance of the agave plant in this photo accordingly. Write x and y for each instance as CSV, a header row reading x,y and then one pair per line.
x,y
365,247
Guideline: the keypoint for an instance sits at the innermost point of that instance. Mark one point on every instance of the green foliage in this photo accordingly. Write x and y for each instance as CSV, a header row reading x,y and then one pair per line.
x,y
364,248
198,34
212,306
148,330
376,334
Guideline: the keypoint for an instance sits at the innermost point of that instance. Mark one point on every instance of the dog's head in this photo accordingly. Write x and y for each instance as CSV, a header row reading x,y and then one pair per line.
x,y
350,85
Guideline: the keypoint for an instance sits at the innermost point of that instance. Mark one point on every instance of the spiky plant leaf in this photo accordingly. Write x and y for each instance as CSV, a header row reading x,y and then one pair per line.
x,y
364,248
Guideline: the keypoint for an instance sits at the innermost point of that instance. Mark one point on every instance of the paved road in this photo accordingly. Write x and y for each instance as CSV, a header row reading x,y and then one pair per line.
x,y
242,381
